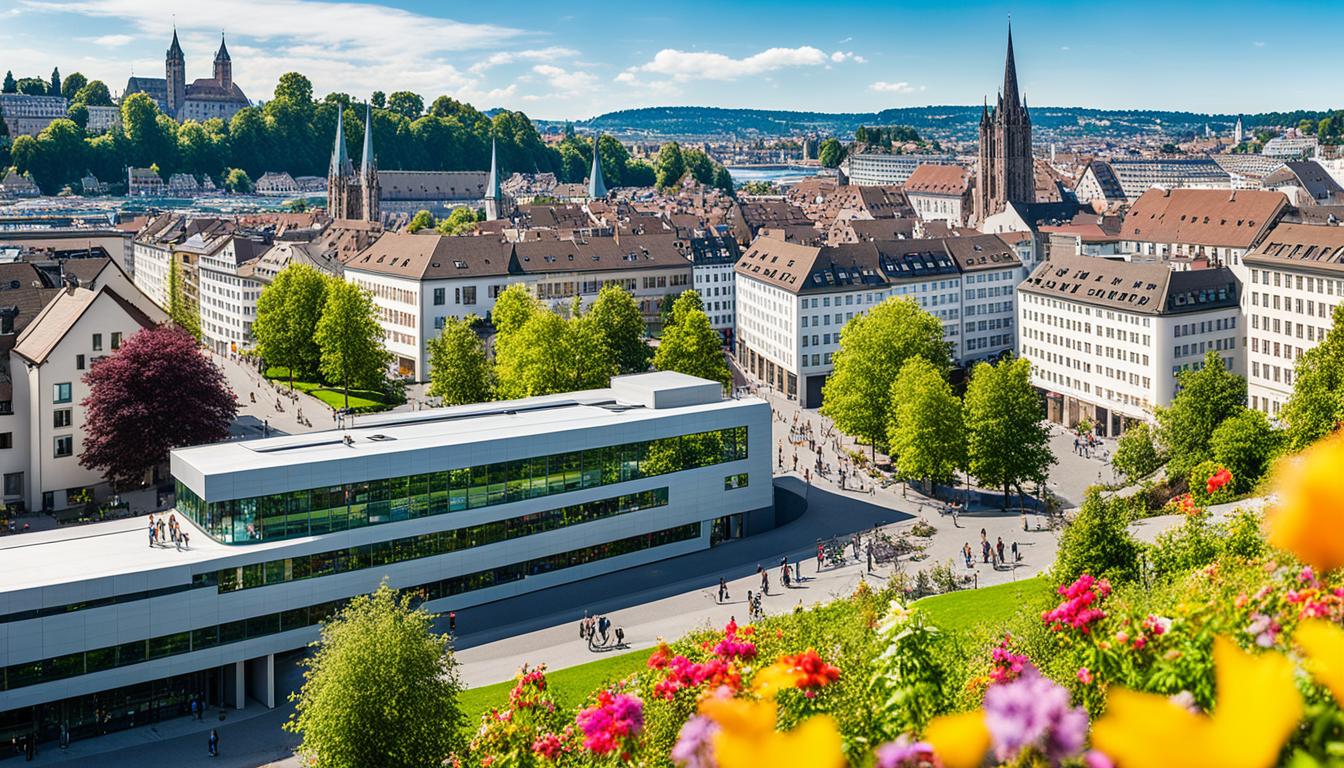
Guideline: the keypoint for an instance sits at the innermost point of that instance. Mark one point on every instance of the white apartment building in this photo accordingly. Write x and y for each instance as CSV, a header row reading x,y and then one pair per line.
x,y
793,301
883,170
712,276
1194,227
228,293
420,280
26,115
1107,338
1296,283
940,193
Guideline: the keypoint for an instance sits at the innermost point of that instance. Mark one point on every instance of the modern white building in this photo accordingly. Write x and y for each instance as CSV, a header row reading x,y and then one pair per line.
x,y
459,506
712,276
882,170
793,300
1107,338
228,292
1296,283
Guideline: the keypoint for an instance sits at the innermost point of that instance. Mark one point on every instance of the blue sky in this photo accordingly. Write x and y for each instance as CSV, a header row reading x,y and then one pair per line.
x,y
596,57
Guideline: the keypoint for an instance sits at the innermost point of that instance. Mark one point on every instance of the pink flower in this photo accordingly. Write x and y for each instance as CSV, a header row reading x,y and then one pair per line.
x,y
1078,610
614,719
1265,630
1084,676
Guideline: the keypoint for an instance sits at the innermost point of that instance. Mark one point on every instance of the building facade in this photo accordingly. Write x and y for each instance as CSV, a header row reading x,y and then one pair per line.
x,y
458,507
873,169
1106,339
205,98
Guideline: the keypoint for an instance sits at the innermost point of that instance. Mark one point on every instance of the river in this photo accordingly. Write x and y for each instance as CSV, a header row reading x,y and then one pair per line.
x,y
790,174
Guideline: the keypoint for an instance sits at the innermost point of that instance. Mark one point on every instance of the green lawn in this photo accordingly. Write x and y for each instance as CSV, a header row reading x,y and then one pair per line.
x,y
570,685
973,608
361,400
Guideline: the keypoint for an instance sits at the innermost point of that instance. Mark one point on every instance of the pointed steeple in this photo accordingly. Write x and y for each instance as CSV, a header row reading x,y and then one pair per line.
x,y
175,50
597,188
1010,73
492,184
222,54
366,163
340,161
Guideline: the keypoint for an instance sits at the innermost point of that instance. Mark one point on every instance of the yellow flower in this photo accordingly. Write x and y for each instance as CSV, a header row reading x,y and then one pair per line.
x,y
1311,505
747,737
773,679
1323,645
1258,707
959,741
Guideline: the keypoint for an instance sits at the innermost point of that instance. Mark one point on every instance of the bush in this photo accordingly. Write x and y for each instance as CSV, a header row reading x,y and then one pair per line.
x,y
1199,485
1246,444
1096,541
1191,545
1136,453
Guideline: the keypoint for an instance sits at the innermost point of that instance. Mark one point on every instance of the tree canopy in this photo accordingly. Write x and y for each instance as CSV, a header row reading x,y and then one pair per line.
x,y
690,345
128,431
459,372
926,432
351,340
1006,442
1207,397
1316,407
288,311
873,347
1246,444
1136,452
618,319
381,689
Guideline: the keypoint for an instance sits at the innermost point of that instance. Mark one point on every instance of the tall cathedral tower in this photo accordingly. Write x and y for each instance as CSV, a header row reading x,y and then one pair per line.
x,y
175,71
342,188
369,188
1006,169
223,65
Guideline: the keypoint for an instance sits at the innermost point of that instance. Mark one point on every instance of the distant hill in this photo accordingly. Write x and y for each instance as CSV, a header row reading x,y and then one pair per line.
x,y
932,121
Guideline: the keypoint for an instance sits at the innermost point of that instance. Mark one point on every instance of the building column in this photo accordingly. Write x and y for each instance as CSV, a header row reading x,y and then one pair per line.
x,y
235,684
261,679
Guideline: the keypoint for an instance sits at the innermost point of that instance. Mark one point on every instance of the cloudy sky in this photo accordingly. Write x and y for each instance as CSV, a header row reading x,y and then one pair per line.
x,y
839,56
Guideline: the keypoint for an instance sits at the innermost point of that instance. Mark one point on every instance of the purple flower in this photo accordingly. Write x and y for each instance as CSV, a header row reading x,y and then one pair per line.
x,y
1033,712
904,753
695,743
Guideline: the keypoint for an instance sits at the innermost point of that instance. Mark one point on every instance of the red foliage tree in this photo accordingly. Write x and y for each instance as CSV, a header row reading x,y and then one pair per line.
x,y
157,392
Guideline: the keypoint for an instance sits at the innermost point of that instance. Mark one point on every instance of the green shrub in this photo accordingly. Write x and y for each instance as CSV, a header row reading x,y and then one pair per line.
x,y
1199,485
1096,541
1246,444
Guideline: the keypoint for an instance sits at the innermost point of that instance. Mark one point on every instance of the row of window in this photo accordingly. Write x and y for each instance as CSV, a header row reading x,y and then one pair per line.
x,y
315,511
87,662
425,545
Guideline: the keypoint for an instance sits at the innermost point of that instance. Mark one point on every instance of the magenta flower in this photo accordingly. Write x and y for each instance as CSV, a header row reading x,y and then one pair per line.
x,y
695,743
1033,712
904,753
610,722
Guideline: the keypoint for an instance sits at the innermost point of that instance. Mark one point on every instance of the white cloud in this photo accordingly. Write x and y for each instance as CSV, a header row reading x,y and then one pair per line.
x,y
509,57
846,40
1065,48
704,65
882,86
1258,44
111,41
842,56
565,81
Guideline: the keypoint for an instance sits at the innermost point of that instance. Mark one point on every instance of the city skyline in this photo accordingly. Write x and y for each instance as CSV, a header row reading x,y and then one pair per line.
x,y
749,55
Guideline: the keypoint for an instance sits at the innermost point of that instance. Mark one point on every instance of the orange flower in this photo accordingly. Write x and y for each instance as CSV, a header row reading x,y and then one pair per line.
x,y
1310,508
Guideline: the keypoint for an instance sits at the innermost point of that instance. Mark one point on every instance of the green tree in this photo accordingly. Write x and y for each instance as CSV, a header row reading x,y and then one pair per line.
x,y
1136,452
621,324
294,89
55,157
873,347
421,220
378,99
514,307
94,94
55,88
79,115
1246,445
1207,396
1007,444
549,354
831,153
459,221
458,370
72,85
237,181
670,166
10,85
381,689
33,86
926,432
351,339
690,345
182,310
1316,406
288,311
408,104
1097,541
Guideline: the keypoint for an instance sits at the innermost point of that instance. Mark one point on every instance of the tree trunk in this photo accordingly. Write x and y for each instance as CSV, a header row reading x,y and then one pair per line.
x,y
1005,495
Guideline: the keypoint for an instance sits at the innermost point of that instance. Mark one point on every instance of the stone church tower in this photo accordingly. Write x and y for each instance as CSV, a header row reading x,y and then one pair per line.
x,y
223,65
342,188
1007,173
369,188
175,70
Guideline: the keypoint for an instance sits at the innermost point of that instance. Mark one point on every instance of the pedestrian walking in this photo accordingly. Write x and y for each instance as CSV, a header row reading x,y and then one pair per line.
x,y
985,550
784,576
583,626
452,622
751,602
765,583
213,743
153,532
1017,557
869,550
999,546
820,551
723,589
620,637
798,570
65,735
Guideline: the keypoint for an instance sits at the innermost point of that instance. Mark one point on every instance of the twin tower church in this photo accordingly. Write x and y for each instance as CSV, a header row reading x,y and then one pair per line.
x,y
366,194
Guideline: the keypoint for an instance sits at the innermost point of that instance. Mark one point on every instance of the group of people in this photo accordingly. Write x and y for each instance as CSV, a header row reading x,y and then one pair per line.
x,y
161,531
593,628
991,554
1084,443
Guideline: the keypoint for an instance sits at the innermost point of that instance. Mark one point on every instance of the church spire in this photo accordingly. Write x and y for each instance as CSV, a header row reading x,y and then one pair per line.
x,y
175,50
1010,98
366,164
222,54
340,160
597,188
492,183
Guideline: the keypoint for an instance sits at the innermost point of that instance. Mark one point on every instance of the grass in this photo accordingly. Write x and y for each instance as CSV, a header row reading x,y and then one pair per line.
x,y
361,400
569,685
989,606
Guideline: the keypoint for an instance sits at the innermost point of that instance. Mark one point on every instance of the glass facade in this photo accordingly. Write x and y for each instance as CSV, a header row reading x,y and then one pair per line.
x,y
71,665
424,545
352,505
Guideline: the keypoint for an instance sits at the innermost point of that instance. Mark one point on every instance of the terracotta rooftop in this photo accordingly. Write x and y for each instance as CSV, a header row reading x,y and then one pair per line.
x,y
930,179
1235,218
1303,246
